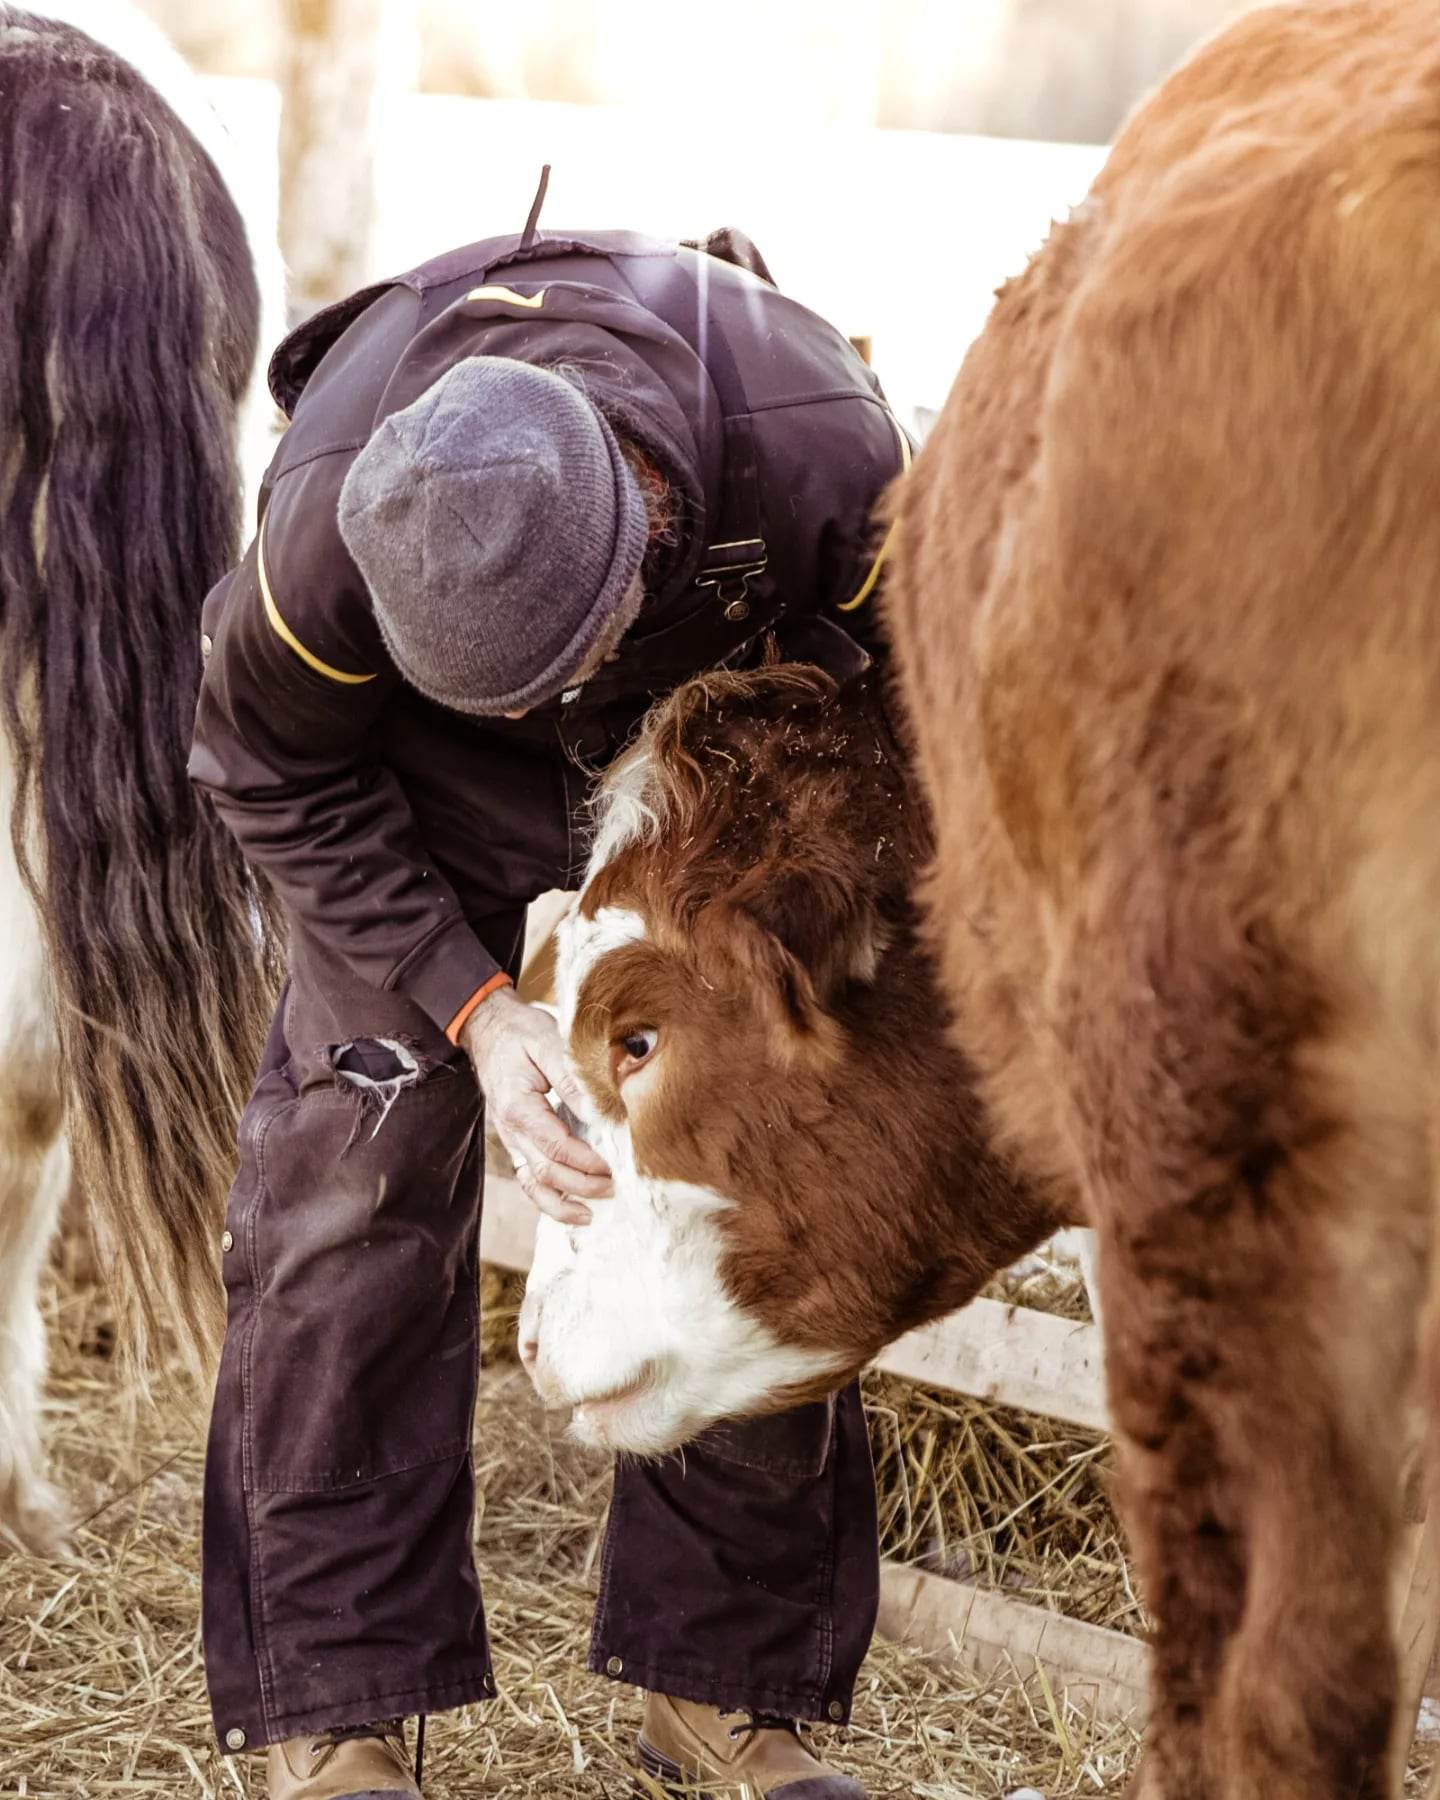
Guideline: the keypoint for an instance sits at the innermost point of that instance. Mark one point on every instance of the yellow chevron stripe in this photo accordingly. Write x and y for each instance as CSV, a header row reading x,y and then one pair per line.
x,y
508,295
287,636
868,585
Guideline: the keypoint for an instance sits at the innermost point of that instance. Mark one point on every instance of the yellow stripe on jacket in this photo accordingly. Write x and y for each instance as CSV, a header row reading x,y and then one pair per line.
x,y
287,636
867,587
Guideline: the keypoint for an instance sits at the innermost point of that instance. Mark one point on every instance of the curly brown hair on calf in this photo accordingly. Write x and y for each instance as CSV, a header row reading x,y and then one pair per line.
x,y
1163,591
765,830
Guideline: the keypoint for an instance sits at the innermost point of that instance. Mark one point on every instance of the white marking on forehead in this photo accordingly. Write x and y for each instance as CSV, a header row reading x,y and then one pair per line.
x,y
627,808
580,943
626,811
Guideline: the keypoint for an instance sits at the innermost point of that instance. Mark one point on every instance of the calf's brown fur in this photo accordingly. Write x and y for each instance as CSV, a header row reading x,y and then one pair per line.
x,y
1164,590
806,1074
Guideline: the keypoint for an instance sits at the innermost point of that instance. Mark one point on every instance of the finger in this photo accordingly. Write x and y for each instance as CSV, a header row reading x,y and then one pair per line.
x,y
531,1132
564,1180
570,1182
517,1152
542,1081
554,1070
561,1147
545,1138
553,1204
570,1091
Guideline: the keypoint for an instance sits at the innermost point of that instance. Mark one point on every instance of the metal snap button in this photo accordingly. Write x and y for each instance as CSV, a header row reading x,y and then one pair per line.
x,y
615,1666
207,643
227,1242
234,1738
737,610
836,1711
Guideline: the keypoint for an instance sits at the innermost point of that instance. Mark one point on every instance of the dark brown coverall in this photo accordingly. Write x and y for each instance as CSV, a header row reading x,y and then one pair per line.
x,y
405,842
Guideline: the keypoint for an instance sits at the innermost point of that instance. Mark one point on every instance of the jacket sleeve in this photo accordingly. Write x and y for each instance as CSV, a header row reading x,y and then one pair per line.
x,y
296,681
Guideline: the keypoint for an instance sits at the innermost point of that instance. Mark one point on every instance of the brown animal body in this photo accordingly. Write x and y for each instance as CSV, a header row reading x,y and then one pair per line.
x,y
1163,588
1164,592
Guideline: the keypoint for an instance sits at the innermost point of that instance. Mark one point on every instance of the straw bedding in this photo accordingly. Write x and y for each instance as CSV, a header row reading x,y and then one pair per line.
x,y
101,1690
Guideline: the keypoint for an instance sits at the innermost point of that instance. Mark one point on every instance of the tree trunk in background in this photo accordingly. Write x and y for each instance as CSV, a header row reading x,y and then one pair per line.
x,y
342,62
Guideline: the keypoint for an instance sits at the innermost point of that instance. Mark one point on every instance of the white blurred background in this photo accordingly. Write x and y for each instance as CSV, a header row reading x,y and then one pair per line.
x,y
893,159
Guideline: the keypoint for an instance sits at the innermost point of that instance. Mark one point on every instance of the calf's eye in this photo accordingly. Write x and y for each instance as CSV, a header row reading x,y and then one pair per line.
x,y
637,1045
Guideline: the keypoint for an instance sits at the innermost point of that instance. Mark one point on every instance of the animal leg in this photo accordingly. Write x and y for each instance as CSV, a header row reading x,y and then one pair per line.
x,y
34,1172
1263,1258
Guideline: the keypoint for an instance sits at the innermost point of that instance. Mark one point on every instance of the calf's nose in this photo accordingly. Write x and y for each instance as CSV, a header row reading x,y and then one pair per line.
x,y
542,1379
528,1329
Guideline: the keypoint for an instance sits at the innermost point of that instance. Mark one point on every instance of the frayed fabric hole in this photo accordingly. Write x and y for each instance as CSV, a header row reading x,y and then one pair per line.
x,y
376,1071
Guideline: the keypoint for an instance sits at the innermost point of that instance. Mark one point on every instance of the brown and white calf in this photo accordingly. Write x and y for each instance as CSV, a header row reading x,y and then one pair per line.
x,y
1164,589
764,1052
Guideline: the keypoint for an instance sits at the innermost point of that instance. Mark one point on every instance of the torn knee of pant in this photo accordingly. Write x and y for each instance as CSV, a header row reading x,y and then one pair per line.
x,y
376,1070
374,1062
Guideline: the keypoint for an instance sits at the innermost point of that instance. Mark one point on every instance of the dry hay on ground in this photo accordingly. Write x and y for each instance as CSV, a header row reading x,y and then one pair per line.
x,y
101,1691
1004,1498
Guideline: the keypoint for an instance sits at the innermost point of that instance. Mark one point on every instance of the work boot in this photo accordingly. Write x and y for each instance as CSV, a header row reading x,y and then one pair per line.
x,y
757,1754
362,1762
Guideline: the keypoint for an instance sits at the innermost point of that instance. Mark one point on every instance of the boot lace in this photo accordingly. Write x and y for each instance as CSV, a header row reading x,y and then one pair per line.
x,y
751,1722
323,1744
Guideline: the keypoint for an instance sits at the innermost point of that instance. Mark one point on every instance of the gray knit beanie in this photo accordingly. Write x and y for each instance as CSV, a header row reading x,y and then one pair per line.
x,y
499,532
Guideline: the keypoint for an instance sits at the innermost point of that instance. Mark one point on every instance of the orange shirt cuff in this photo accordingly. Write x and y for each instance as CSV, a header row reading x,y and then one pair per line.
x,y
457,1024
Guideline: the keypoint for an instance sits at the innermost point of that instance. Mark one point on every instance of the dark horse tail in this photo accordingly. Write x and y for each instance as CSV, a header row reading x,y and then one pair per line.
x,y
128,320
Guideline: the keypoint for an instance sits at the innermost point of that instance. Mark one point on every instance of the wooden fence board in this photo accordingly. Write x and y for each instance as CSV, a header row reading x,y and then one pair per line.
x,y
507,1225
985,1633
1013,1356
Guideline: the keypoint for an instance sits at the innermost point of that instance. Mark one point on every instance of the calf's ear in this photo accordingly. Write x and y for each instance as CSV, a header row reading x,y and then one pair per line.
x,y
802,941
829,924
781,988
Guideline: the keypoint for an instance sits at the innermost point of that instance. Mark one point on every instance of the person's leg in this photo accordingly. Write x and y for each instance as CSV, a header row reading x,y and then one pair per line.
x,y
340,1585
744,1572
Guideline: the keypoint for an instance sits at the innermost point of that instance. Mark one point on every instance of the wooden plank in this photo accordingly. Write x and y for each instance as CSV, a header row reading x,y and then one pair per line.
x,y
1416,1598
1011,1355
542,919
507,1224
985,1633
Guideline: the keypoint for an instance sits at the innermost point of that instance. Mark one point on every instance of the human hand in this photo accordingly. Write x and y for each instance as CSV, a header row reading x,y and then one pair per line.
x,y
518,1059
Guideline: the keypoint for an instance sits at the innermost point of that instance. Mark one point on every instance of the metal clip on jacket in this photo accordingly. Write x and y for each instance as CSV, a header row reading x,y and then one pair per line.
x,y
728,569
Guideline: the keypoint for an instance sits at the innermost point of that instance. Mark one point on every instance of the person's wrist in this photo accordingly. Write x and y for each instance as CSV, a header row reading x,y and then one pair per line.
x,y
491,1012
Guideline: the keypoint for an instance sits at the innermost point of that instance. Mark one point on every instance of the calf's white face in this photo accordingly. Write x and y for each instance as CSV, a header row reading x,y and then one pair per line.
x,y
628,1319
